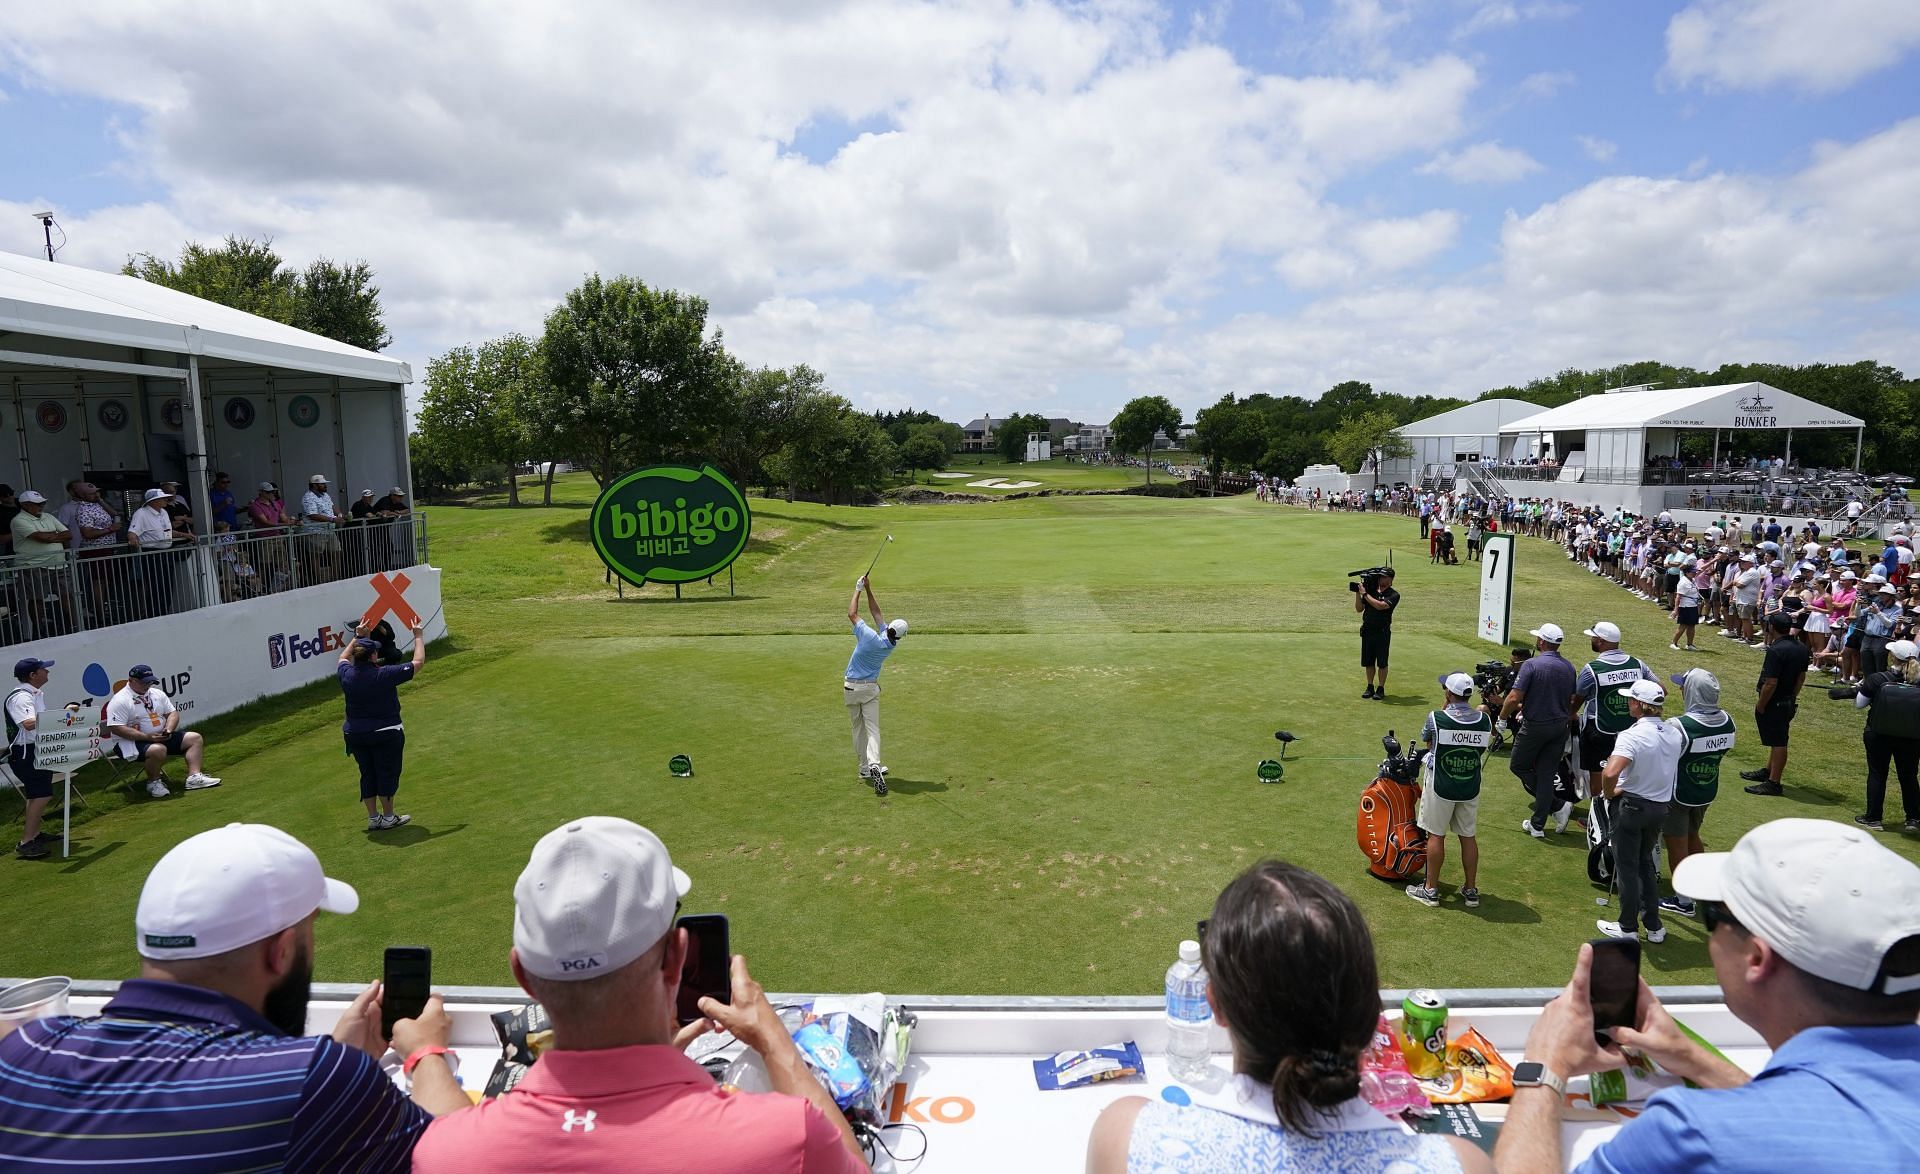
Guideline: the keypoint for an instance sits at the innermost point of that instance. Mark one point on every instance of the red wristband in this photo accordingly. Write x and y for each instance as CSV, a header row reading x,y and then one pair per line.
x,y
421,1054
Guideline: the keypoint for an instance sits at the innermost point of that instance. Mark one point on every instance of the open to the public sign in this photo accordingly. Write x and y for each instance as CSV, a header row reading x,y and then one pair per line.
x,y
670,524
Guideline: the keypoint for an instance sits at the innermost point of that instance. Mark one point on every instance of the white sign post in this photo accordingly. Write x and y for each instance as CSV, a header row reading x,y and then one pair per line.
x,y
64,741
1496,587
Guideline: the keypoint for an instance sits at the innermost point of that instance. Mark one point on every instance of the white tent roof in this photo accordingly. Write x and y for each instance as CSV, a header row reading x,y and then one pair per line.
x,y
1725,405
61,301
1479,418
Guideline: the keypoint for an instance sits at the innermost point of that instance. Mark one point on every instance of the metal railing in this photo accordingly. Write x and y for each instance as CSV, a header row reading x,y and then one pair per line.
x,y
100,586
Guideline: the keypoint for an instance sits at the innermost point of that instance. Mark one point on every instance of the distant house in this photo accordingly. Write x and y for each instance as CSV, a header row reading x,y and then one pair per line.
x,y
977,435
1092,438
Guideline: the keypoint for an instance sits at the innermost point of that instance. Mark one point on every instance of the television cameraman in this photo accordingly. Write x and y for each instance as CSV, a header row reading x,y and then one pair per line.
x,y
1374,598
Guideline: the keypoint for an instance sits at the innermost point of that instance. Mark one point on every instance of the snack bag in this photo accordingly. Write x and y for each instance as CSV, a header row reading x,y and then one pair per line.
x,y
1093,1066
1384,1080
524,1032
1475,1071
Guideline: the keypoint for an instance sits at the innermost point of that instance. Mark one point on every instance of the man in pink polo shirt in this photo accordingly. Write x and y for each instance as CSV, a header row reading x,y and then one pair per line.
x,y
594,942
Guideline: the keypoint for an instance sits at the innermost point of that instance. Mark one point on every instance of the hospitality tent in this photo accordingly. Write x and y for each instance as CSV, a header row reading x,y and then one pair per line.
x,y
129,383
1612,436
1467,433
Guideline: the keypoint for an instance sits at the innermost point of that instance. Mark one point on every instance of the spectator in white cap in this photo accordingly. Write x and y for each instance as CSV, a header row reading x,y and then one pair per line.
x,y
1746,588
1638,779
318,521
40,545
1892,733
201,1063
595,941
151,531
1457,738
1542,695
1814,933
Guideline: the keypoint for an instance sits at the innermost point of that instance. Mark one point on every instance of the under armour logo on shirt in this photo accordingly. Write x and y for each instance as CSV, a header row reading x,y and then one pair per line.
x,y
584,1121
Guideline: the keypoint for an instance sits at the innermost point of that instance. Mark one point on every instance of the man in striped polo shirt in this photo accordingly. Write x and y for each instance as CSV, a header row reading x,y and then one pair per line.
x,y
199,1063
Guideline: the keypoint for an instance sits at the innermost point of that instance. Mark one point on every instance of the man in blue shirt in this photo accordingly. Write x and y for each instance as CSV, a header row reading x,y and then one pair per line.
x,y
201,1063
1814,933
871,647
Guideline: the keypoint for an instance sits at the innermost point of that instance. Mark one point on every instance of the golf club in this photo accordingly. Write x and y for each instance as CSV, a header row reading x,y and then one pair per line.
x,y
877,554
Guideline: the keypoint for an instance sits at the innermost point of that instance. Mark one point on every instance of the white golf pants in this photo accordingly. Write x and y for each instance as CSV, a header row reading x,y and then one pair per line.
x,y
863,709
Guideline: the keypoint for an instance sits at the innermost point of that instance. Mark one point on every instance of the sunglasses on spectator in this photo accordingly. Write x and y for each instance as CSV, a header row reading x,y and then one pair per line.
x,y
1714,914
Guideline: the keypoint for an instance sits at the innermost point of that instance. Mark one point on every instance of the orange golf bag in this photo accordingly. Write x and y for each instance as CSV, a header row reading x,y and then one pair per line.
x,y
1394,845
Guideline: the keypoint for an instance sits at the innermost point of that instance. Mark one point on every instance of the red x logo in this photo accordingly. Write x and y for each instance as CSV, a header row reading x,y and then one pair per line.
x,y
388,597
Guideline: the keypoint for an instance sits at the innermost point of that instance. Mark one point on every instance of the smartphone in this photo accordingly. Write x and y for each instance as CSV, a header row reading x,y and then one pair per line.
x,y
708,972
1614,984
405,985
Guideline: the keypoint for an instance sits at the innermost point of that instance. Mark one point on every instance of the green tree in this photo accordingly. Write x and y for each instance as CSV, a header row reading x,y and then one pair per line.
x,y
635,379
837,452
1229,433
1366,439
1143,418
760,413
245,274
330,299
923,450
342,303
1010,436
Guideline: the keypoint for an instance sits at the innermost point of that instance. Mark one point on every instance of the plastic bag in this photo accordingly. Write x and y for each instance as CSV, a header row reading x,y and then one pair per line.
x,y
857,1046
1384,1080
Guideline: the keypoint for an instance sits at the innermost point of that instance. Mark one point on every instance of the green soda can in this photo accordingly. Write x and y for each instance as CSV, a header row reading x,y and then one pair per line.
x,y
1423,1033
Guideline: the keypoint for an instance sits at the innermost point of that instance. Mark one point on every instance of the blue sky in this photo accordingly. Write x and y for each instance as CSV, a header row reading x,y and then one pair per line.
x,y
995,206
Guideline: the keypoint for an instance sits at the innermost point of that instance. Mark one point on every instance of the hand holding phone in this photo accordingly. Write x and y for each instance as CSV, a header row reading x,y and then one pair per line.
x,y
407,982
1613,985
707,971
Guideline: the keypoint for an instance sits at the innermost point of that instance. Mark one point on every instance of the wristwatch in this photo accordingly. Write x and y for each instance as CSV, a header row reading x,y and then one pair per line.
x,y
1531,1074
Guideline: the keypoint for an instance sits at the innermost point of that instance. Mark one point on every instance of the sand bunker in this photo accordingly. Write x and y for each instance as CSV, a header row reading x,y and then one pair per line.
x,y
1001,483
952,475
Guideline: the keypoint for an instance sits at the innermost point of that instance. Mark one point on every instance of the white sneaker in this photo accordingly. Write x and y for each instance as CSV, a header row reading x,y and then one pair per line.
x,y
200,782
1613,929
1526,825
1656,936
395,820
157,789
1561,817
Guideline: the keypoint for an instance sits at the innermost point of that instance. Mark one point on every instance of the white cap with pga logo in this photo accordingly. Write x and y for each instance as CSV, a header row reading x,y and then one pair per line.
x,y
231,886
1825,895
597,893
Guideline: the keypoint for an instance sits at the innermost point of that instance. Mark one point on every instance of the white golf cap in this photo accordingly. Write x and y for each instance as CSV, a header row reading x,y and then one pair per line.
x,y
222,889
1889,589
1823,894
1849,577
596,894
317,479
1645,692
396,491
1604,630
156,495
1902,650
268,486
1551,633
1458,684
31,496
898,628
366,493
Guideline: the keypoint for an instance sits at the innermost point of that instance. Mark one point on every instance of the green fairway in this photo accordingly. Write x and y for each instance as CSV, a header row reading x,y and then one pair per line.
x,y
1072,728
989,476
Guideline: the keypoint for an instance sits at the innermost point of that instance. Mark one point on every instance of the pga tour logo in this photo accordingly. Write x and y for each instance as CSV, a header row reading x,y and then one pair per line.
x,y
285,648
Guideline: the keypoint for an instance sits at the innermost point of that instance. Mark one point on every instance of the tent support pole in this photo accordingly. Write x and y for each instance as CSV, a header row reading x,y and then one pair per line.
x,y
1859,439
1789,446
1716,449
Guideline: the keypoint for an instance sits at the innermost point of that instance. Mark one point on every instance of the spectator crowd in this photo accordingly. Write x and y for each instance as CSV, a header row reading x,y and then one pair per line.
x,y
99,559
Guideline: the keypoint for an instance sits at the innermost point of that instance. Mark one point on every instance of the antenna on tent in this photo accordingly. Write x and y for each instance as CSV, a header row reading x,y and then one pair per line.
x,y
47,227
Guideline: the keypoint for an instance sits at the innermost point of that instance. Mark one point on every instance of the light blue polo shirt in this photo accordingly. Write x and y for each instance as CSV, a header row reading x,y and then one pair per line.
x,y
1831,1098
870,651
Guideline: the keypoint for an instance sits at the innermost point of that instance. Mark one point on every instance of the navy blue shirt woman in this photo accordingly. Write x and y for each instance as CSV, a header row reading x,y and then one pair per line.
x,y
375,737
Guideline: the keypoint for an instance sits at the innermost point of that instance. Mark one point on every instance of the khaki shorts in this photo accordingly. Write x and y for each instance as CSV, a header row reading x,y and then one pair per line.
x,y
1442,817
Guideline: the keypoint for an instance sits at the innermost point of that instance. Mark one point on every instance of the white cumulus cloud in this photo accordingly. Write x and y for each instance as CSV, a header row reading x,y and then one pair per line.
x,y
1597,149
1487,162
1818,46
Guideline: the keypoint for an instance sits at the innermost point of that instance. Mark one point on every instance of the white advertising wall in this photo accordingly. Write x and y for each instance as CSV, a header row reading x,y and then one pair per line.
x,y
219,658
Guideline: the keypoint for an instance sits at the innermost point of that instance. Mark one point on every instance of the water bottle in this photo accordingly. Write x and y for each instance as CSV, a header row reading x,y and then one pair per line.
x,y
1189,1019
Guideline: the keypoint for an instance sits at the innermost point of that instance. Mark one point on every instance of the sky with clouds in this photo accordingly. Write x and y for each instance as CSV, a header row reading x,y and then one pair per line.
x,y
995,206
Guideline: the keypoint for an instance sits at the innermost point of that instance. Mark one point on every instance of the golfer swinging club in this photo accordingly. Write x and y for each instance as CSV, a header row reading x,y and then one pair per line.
x,y
870,650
